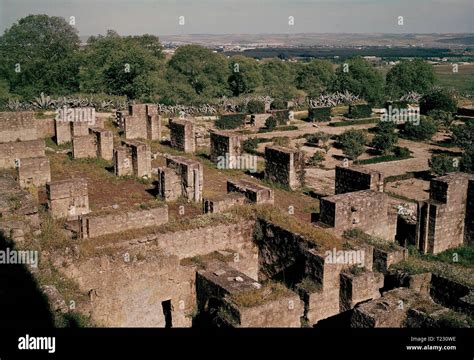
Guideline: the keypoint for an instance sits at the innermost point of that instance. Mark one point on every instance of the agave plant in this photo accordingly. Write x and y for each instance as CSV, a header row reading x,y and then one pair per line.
x,y
42,102
14,105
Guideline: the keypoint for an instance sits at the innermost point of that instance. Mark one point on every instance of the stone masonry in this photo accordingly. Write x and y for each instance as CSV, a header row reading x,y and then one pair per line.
x,y
253,192
142,122
181,177
104,140
280,166
98,225
182,135
367,210
225,143
133,158
355,178
17,126
445,220
68,198
12,151
84,147
34,171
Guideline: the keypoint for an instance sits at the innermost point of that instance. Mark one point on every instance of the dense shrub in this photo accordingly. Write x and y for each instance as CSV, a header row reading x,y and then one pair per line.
x,y
443,164
230,121
255,107
352,143
319,114
271,123
424,130
278,104
282,116
396,104
250,145
359,111
438,100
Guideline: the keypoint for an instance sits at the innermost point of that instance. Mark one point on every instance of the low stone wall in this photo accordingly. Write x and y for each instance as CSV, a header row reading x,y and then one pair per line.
x,y
9,152
17,126
356,178
98,225
253,192
45,128
280,166
34,171
68,198
182,135
84,147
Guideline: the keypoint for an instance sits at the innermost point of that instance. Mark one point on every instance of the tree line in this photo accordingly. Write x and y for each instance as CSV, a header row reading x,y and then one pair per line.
x,y
43,54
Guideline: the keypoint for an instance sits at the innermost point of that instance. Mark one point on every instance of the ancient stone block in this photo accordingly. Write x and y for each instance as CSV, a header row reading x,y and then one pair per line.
x,y
181,177
103,224
12,151
388,311
217,205
79,128
359,287
356,178
34,171
445,221
384,258
281,166
253,192
17,126
225,143
182,135
62,131
134,127
133,158
141,122
105,143
367,210
84,147
68,198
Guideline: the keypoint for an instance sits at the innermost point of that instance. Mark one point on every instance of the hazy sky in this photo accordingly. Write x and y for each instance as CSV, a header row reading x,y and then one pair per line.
x,y
161,17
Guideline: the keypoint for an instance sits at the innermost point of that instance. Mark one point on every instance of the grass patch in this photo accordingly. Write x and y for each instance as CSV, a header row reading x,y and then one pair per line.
x,y
201,261
355,122
377,242
310,286
268,292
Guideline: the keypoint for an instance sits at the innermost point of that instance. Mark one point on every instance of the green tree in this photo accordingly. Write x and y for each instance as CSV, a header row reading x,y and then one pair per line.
x,y
424,130
361,78
314,77
39,54
205,71
445,118
271,123
245,75
385,139
118,65
353,142
438,99
415,75
278,79
443,164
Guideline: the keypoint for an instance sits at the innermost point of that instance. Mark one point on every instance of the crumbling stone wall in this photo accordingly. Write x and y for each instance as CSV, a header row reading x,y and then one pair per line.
x,y
17,126
62,131
98,225
367,210
11,151
225,142
442,219
104,140
253,192
34,171
221,204
45,128
68,198
142,122
356,178
181,177
357,288
132,158
182,135
79,128
281,166
84,147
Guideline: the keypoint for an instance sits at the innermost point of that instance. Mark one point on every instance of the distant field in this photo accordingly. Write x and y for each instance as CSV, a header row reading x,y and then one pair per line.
x,y
462,81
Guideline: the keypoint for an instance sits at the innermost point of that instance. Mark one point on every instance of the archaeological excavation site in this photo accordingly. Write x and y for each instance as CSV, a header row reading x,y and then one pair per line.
x,y
143,218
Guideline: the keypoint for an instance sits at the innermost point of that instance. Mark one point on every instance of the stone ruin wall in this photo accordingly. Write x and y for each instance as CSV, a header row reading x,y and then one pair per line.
x,y
182,135
11,151
34,171
68,198
350,179
280,166
117,222
17,126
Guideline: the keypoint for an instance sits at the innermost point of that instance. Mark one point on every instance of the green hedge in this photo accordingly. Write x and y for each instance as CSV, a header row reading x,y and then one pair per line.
x,y
319,114
230,121
359,111
281,116
355,122
255,107
396,104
